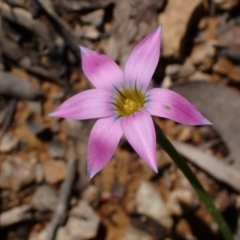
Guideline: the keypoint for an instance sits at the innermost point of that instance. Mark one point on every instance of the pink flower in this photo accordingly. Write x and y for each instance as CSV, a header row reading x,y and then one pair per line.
x,y
123,104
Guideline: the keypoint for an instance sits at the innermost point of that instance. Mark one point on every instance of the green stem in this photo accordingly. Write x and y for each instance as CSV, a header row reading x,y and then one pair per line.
x,y
203,195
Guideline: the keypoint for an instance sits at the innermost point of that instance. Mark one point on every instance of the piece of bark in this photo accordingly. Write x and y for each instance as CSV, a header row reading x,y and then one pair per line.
x,y
61,206
210,164
14,86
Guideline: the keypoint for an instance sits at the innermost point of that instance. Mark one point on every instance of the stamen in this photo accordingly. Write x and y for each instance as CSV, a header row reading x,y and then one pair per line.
x,y
128,101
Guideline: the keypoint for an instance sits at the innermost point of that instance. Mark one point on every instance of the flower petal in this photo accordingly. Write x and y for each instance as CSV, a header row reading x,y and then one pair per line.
x,y
168,104
139,131
103,141
101,70
94,103
143,60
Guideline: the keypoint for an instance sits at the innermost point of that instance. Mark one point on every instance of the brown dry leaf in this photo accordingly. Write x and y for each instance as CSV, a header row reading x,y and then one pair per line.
x,y
16,173
210,164
226,4
115,219
208,27
227,68
122,165
202,55
132,21
175,20
95,17
220,105
14,86
230,37
107,176
83,222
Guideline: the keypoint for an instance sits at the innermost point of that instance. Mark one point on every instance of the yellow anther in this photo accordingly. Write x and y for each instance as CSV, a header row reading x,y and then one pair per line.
x,y
131,106
129,101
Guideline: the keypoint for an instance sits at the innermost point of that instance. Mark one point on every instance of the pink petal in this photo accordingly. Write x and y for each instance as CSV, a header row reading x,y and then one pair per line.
x,y
168,104
103,142
94,103
143,60
101,70
139,131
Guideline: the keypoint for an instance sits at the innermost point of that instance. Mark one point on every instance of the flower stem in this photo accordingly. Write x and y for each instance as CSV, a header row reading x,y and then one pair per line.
x,y
203,195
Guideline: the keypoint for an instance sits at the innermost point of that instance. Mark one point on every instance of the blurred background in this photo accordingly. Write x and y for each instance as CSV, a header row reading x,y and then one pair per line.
x,y
45,192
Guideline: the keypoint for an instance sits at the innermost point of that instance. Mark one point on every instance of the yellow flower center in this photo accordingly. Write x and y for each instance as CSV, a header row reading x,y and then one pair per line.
x,y
128,101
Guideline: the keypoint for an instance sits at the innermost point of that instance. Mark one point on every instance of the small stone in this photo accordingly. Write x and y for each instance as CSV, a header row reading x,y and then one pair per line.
x,y
35,107
16,173
203,55
63,234
87,31
135,234
200,76
89,194
145,197
15,215
39,235
39,175
179,197
44,199
187,69
57,149
185,133
167,82
8,142
54,171
173,69
83,221
95,18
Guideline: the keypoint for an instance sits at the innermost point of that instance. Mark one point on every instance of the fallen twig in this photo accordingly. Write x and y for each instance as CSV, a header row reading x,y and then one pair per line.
x,y
24,18
63,28
15,53
61,207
